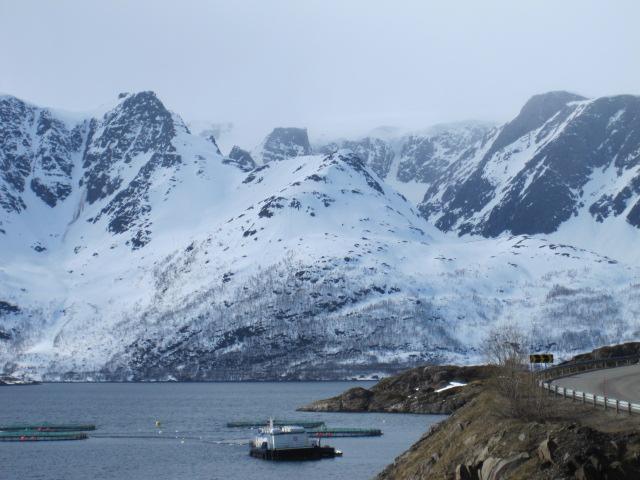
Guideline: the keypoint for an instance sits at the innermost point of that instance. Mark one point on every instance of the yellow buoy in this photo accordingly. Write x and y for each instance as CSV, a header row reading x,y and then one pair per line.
x,y
158,424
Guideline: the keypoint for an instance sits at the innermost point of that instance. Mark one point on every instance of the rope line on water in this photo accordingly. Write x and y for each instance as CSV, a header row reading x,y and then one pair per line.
x,y
172,437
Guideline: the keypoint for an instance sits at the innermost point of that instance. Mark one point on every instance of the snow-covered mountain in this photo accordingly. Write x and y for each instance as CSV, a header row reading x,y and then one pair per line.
x,y
407,160
565,165
411,161
132,249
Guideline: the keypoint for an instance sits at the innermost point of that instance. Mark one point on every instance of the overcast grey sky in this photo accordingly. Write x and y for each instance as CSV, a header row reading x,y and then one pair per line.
x,y
331,65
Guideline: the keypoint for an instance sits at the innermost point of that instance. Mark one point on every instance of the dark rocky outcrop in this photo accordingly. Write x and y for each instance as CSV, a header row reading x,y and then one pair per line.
x,y
241,159
283,143
140,124
6,308
40,151
211,139
33,143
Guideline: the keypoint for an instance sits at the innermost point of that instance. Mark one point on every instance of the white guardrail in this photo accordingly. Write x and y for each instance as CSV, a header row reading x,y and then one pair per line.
x,y
620,406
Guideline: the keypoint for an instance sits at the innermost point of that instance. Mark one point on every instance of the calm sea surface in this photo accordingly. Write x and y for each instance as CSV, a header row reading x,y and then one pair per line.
x,y
193,442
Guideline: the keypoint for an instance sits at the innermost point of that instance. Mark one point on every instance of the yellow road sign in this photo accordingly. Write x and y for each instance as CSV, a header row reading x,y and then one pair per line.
x,y
541,358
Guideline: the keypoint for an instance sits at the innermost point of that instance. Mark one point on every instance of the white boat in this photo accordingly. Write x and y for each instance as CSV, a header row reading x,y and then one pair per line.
x,y
289,442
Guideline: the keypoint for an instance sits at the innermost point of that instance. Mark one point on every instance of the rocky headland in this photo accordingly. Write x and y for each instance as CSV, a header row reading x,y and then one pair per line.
x,y
482,440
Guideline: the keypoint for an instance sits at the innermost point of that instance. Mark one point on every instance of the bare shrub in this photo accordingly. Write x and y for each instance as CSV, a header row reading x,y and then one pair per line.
x,y
507,348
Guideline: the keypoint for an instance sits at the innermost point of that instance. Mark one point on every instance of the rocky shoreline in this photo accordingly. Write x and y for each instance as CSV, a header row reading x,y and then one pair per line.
x,y
430,389
478,441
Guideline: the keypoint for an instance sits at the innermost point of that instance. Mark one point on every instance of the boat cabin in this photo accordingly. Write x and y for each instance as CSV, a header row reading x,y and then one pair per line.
x,y
286,437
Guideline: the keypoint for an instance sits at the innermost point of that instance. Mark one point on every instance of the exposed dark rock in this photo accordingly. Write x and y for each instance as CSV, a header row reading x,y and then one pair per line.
x,y
240,158
283,143
466,472
140,124
34,143
211,139
7,308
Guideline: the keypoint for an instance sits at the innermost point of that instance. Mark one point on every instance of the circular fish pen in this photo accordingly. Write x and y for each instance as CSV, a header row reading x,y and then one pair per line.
x,y
39,436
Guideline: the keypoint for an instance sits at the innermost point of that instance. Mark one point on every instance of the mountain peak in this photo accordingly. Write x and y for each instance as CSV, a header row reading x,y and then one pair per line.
x,y
283,143
533,115
149,94
5,97
140,124
145,99
545,105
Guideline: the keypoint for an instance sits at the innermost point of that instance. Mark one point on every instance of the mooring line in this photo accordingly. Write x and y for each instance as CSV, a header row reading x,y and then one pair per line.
x,y
172,437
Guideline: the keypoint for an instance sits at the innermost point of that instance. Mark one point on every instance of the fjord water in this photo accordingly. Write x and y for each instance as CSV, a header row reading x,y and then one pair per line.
x,y
193,442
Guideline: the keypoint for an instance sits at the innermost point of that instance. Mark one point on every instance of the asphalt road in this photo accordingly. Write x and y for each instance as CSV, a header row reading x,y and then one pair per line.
x,y
622,383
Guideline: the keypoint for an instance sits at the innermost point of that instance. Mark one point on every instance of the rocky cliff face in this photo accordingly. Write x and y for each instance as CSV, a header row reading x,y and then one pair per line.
x,y
37,156
125,151
283,143
563,162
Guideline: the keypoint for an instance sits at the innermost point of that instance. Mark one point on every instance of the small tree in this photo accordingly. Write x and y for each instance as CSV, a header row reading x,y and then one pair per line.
x,y
507,348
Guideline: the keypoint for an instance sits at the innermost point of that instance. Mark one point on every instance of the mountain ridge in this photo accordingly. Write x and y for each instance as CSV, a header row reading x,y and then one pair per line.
x,y
184,264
